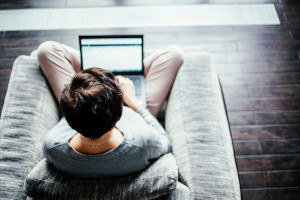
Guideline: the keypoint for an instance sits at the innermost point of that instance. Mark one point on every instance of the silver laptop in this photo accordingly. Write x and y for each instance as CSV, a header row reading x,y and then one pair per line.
x,y
120,54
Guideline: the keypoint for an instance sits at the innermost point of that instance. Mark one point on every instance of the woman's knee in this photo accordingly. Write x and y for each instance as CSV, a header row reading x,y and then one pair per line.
x,y
176,54
45,49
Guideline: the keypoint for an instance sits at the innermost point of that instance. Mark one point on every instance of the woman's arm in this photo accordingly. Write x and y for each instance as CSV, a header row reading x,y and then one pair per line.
x,y
152,121
127,87
158,142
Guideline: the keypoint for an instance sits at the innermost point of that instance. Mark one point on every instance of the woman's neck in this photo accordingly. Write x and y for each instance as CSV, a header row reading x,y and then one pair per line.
x,y
99,141
105,143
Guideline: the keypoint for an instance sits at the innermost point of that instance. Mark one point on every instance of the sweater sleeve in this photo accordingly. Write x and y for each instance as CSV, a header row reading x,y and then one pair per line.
x,y
152,121
159,142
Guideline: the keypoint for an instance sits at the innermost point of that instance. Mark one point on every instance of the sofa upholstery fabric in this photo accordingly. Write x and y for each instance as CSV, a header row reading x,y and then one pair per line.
x,y
29,111
197,125
45,182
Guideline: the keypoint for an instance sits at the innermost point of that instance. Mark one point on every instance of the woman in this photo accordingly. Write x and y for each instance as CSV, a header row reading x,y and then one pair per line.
x,y
98,137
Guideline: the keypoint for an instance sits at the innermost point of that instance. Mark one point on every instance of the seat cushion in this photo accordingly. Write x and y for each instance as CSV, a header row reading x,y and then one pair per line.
x,y
45,182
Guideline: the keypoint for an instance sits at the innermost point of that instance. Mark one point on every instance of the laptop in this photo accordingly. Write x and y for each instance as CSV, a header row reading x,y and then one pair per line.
x,y
120,54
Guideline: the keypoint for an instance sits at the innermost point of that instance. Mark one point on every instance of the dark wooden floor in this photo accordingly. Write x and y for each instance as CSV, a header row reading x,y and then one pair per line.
x,y
259,68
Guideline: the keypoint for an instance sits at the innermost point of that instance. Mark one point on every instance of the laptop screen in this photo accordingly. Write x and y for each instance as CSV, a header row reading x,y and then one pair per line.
x,y
116,54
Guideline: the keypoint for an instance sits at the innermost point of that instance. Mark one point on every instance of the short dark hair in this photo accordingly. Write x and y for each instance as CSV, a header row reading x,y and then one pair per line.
x,y
92,103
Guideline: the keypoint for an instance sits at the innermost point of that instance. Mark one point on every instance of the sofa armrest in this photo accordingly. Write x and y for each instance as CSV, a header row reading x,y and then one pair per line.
x,y
197,124
29,111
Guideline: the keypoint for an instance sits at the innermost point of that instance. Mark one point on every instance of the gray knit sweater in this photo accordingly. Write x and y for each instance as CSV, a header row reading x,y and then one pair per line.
x,y
144,140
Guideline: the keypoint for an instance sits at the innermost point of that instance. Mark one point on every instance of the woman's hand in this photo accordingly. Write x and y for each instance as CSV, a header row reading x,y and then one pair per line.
x,y
127,87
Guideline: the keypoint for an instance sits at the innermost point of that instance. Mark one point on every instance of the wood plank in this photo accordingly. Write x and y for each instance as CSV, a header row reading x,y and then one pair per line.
x,y
71,41
288,178
226,36
5,74
253,180
277,117
268,162
284,26
235,92
253,57
287,193
285,91
212,46
256,79
27,42
161,38
6,63
292,17
228,68
251,162
3,88
261,105
290,2
7,4
280,146
47,33
271,66
247,147
14,52
241,118
287,8
269,46
296,78
269,146
287,11
277,131
295,35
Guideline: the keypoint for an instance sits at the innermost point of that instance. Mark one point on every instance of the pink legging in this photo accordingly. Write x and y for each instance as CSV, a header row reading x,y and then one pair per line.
x,y
60,63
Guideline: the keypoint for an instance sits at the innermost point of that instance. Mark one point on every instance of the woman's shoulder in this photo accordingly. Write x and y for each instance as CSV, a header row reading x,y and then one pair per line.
x,y
58,135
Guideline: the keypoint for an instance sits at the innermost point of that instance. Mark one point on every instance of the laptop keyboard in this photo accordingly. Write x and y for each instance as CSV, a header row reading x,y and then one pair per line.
x,y
137,85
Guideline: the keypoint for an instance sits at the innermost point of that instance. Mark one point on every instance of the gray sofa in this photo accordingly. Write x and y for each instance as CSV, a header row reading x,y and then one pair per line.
x,y
195,119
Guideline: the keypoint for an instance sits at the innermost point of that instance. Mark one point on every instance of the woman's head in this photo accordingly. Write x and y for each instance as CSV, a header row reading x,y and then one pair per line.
x,y
92,103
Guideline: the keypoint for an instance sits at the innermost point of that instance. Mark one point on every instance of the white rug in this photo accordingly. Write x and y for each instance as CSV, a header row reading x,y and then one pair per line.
x,y
138,16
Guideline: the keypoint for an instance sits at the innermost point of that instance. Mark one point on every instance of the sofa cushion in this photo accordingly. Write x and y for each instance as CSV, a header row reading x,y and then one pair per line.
x,y
182,192
45,182
29,111
198,128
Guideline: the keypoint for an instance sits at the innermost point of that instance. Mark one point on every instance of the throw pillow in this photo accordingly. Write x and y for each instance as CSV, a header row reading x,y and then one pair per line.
x,y
45,182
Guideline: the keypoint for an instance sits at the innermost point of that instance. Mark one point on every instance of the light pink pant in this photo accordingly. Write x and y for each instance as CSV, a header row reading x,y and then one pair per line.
x,y
60,63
